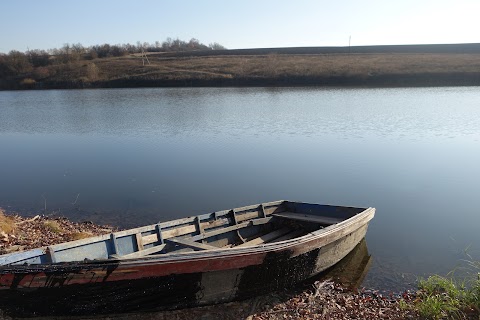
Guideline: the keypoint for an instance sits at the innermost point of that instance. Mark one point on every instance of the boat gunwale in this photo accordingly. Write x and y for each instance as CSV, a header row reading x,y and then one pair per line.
x,y
32,253
364,216
334,231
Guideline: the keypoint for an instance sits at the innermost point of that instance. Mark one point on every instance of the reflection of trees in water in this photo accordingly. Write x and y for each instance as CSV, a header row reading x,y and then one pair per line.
x,y
119,112
142,112
165,112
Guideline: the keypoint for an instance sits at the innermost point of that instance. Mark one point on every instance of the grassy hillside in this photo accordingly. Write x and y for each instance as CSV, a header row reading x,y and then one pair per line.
x,y
356,66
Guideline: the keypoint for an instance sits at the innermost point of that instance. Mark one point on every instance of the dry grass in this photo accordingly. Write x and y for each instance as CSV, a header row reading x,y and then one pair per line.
x,y
80,235
257,68
39,231
265,66
7,224
28,81
321,65
52,226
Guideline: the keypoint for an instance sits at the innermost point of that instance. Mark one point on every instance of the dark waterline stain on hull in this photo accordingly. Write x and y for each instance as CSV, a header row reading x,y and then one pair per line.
x,y
168,292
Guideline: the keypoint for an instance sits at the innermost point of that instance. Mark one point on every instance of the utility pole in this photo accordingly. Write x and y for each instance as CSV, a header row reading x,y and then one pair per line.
x,y
349,40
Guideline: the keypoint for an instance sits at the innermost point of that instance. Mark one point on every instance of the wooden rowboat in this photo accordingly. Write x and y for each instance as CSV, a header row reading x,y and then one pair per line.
x,y
211,258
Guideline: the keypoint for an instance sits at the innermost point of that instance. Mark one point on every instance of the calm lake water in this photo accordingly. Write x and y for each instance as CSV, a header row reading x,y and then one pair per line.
x,y
131,157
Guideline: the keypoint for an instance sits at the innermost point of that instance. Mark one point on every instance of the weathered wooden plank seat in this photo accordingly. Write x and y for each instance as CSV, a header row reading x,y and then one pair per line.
x,y
235,227
266,237
190,244
308,218
294,234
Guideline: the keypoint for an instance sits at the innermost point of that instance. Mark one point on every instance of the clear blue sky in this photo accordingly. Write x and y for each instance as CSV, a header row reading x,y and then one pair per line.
x,y
45,24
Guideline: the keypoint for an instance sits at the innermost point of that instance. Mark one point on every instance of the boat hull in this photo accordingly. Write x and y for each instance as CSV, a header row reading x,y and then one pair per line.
x,y
178,290
153,285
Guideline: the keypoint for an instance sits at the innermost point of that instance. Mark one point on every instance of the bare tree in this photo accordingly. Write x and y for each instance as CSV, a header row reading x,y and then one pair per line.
x,y
167,44
216,46
18,62
76,53
39,58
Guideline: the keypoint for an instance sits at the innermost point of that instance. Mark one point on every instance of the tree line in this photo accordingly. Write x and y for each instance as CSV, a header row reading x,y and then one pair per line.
x,y
16,62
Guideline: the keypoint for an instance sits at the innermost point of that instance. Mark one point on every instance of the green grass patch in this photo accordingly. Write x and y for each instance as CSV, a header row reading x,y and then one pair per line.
x,y
447,298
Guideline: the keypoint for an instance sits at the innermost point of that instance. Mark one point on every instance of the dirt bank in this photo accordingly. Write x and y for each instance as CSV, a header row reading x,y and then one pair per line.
x,y
383,66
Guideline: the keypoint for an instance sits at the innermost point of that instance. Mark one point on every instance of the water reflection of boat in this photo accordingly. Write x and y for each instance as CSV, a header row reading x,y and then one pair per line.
x,y
211,258
351,270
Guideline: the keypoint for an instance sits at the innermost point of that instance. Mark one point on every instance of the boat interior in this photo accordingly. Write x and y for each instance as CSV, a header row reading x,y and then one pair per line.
x,y
237,228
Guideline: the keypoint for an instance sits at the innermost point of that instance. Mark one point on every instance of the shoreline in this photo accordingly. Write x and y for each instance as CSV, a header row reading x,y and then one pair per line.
x,y
368,66
317,299
334,294
423,80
